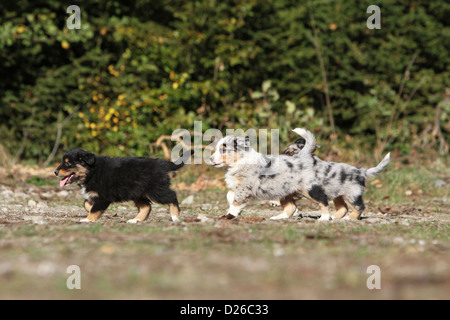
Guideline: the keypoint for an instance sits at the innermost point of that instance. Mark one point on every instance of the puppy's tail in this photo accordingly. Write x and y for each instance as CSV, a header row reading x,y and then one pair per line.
x,y
310,141
372,172
177,164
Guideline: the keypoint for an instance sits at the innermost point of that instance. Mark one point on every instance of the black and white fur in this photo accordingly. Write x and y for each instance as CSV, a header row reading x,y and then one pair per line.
x,y
253,174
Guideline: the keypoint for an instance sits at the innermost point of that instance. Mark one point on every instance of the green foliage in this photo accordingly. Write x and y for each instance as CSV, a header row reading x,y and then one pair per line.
x,y
138,70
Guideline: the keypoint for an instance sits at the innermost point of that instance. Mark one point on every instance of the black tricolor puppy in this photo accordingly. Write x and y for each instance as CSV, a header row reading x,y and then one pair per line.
x,y
104,180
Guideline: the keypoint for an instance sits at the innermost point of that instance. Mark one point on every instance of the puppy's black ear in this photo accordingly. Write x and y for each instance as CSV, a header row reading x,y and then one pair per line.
x,y
87,157
300,143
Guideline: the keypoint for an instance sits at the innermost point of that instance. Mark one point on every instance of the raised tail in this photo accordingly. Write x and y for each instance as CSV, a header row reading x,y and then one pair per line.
x,y
310,141
372,172
177,164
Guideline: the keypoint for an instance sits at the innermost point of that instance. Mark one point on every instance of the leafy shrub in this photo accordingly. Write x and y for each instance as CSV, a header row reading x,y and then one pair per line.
x,y
134,72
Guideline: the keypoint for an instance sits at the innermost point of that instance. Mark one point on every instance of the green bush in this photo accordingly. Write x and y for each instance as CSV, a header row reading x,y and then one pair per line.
x,y
134,72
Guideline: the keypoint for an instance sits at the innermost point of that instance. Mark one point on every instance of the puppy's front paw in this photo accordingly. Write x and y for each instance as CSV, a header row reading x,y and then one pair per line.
x,y
175,219
86,220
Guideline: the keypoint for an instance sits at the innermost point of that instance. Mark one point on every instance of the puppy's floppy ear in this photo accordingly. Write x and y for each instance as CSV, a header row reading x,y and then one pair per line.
x,y
300,143
86,157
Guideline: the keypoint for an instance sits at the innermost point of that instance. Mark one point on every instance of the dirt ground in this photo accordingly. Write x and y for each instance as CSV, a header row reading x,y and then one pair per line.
x,y
206,257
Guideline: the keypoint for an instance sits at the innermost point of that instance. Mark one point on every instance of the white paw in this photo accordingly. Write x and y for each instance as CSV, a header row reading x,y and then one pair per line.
x,y
175,219
134,221
324,218
86,220
281,216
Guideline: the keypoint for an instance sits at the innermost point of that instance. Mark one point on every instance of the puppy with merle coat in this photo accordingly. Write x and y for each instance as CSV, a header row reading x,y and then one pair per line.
x,y
252,174
104,180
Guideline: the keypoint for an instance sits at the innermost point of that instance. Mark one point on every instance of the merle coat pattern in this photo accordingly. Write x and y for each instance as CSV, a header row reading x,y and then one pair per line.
x,y
252,174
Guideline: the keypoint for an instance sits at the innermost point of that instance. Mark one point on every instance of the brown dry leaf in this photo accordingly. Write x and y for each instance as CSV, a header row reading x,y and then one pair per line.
x,y
374,182
383,211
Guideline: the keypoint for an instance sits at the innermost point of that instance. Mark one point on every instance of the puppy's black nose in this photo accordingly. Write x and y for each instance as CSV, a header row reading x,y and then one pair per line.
x,y
56,172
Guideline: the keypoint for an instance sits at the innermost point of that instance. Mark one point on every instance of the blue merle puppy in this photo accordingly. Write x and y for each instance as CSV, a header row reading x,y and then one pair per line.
x,y
253,174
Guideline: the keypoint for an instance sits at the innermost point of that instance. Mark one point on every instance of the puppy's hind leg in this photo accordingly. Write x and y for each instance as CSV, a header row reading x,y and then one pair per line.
x,y
174,211
341,208
144,209
357,206
169,197
174,208
289,208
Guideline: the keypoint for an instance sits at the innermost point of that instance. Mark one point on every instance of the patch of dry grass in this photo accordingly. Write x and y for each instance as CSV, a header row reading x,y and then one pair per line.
x,y
248,258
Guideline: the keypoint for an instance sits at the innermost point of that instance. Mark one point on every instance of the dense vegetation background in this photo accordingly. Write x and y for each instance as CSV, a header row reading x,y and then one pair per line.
x,y
137,70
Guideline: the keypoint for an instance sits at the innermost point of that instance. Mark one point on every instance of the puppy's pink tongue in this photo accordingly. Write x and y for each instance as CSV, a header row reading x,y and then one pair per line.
x,y
63,182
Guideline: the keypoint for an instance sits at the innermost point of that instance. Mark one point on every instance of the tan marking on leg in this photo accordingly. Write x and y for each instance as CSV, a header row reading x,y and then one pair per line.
x,y
93,216
288,205
174,212
355,212
87,206
144,210
325,216
341,208
289,208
